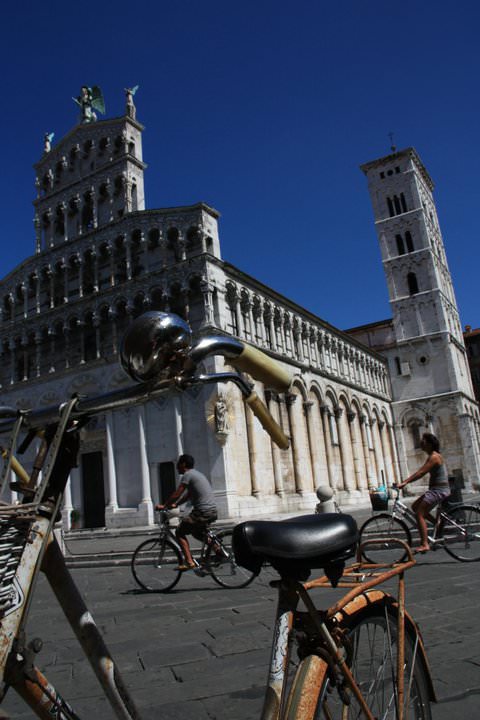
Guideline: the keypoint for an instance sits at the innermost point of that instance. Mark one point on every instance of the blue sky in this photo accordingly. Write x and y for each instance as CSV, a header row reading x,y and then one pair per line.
x,y
264,110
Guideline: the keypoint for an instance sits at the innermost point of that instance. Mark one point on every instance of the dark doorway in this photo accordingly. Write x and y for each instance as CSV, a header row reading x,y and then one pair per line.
x,y
93,491
166,480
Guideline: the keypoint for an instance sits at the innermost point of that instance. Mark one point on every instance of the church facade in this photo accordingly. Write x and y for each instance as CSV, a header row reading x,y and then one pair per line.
x,y
101,259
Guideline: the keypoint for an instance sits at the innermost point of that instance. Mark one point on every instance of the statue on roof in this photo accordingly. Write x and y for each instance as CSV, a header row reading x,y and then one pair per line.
x,y
131,110
89,100
47,142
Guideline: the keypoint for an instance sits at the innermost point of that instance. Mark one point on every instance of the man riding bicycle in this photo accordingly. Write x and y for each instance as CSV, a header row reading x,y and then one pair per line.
x,y
196,488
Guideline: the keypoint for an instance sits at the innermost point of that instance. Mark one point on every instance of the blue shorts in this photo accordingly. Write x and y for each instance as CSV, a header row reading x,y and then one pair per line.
x,y
433,496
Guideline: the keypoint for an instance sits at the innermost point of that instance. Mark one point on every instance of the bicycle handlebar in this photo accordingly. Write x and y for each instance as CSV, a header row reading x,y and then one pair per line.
x,y
242,356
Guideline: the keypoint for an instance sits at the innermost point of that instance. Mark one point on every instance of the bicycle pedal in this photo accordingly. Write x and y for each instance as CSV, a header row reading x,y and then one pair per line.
x,y
200,572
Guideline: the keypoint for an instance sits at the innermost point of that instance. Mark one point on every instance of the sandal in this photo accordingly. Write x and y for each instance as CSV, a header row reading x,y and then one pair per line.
x,y
185,566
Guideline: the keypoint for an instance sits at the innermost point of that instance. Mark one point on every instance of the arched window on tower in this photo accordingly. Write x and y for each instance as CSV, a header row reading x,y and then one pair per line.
x,y
391,211
412,283
409,241
403,202
400,245
396,202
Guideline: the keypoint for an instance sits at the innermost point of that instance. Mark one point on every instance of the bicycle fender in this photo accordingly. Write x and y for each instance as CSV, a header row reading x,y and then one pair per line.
x,y
371,598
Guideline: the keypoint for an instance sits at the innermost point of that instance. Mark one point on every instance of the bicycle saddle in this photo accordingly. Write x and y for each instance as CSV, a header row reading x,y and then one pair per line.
x,y
297,545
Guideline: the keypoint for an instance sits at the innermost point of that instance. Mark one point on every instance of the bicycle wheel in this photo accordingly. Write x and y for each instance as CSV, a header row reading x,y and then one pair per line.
x,y
371,645
461,532
384,527
222,565
155,565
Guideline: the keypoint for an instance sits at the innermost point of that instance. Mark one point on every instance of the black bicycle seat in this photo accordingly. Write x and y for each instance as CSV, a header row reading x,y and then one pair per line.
x,y
297,545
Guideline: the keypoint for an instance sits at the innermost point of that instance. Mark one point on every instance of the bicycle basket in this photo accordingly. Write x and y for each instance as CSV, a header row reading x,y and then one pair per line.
x,y
15,524
379,500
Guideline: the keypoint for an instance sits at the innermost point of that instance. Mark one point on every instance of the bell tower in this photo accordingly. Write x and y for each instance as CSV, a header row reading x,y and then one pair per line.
x,y
431,380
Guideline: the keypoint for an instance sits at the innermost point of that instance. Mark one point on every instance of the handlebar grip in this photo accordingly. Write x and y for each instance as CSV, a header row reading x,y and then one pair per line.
x,y
267,421
263,368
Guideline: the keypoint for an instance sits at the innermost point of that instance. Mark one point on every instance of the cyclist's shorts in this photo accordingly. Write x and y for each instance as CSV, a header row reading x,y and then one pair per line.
x,y
195,524
433,496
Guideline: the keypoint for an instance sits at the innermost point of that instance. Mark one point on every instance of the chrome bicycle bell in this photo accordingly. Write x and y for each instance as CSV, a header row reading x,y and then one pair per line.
x,y
151,343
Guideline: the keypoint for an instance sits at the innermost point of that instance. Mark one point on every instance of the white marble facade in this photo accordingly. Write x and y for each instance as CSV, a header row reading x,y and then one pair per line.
x,y
102,259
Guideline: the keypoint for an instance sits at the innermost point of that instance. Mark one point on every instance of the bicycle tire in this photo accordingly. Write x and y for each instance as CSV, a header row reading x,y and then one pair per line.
x,y
370,636
224,569
155,564
463,544
384,525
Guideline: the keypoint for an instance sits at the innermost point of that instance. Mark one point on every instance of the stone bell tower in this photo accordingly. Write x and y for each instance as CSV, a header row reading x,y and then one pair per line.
x,y
432,388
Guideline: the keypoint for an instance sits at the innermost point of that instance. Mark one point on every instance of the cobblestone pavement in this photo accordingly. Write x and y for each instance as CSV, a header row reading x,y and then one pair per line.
x,y
202,651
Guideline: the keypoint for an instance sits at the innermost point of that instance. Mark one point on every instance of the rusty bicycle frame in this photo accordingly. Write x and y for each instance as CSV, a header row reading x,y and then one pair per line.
x,y
28,545
361,578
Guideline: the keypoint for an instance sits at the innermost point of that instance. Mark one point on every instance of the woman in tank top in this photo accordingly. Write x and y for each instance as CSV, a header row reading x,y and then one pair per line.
x,y
438,487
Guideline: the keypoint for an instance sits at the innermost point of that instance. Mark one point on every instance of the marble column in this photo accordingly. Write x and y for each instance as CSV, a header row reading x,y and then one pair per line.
x,y
146,505
112,505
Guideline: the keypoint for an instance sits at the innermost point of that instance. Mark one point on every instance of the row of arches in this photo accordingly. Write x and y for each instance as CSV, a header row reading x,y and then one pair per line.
x,y
83,159
344,441
69,277
259,320
75,339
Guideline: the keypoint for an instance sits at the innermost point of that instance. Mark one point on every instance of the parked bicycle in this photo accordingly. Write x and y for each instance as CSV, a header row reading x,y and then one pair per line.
x,y
362,657
155,562
456,529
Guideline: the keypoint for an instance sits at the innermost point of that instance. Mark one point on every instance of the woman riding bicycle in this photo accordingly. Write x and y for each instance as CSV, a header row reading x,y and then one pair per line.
x,y
438,487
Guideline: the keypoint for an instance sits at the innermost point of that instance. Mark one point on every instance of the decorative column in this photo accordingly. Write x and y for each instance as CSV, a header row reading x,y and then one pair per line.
x,y
271,401
143,252
24,343
67,505
11,347
337,413
388,471
64,209
178,423
128,256
79,262
112,315
325,416
312,444
38,351
38,234
93,197
112,505
360,480
146,504
366,452
290,398
95,271
252,452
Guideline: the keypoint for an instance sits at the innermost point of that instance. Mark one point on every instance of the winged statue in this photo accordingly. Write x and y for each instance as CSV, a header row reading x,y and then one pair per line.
x,y
47,141
89,100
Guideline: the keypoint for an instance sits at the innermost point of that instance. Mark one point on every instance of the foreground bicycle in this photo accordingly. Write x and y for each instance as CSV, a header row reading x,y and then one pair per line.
x,y
155,561
363,657
456,530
